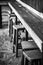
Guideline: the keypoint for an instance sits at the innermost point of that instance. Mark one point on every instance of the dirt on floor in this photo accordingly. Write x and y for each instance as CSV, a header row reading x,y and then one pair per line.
x,y
7,57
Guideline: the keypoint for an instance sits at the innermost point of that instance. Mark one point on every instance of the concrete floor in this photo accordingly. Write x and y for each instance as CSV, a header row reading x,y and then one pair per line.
x,y
7,57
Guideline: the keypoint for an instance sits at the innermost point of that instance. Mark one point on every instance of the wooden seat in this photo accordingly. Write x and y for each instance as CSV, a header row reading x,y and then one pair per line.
x,y
30,53
28,45
31,57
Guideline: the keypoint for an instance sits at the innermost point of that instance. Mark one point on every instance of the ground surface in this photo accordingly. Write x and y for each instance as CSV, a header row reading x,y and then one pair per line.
x,y
6,50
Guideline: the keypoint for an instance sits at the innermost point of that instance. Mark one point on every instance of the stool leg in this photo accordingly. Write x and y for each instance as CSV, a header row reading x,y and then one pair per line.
x,y
0,18
26,36
13,49
22,60
40,62
25,61
36,62
31,63
16,43
16,20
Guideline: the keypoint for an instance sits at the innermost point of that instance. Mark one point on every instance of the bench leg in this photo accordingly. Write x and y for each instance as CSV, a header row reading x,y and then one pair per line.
x,y
36,62
40,62
22,60
26,36
25,61
16,43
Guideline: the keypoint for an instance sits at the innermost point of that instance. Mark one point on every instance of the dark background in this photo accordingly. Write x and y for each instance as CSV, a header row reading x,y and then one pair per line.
x,y
7,0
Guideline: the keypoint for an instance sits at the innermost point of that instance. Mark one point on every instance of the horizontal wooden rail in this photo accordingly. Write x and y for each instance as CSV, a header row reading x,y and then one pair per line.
x,y
32,10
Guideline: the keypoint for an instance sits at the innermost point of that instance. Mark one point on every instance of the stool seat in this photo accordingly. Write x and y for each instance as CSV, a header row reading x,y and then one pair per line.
x,y
18,26
32,54
29,45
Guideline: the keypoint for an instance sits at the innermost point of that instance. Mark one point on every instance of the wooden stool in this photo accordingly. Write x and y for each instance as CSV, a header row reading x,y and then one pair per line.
x,y
16,29
31,57
28,45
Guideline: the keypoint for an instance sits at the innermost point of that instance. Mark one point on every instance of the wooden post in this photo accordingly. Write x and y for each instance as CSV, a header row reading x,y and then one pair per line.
x,y
16,43
0,18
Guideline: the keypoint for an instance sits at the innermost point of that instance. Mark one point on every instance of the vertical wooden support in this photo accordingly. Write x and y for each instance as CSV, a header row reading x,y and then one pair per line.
x,y
42,55
16,20
22,60
40,62
0,18
16,43
26,36
25,61
36,62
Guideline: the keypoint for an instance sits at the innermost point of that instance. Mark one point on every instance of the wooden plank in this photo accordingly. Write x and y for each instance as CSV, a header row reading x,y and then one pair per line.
x,y
32,54
29,45
32,10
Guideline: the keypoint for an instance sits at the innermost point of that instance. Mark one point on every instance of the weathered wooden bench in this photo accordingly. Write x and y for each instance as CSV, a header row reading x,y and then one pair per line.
x,y
32,57
30,53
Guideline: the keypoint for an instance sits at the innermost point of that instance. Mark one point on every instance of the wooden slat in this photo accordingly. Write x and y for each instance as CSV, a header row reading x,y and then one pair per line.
x,y
32,54
28,45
